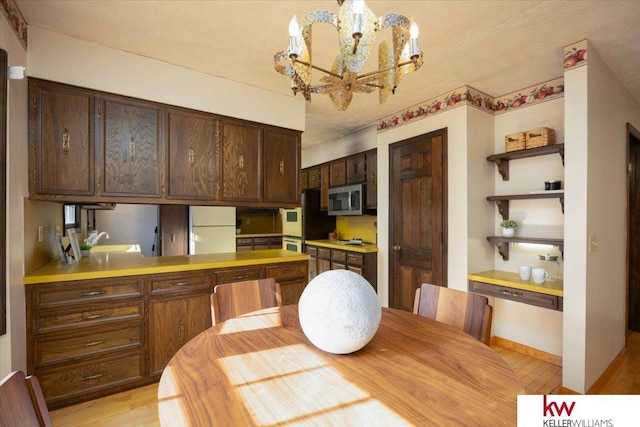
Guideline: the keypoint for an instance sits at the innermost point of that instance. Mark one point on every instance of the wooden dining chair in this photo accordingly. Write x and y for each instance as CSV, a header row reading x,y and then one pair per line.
x,y
233,299
466,311
22,402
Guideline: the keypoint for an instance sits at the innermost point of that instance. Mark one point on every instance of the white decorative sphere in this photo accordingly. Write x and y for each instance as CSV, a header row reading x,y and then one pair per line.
x,y
339,311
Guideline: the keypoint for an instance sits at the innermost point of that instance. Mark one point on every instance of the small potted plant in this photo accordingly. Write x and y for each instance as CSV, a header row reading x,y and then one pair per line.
x,y
85,248
508,227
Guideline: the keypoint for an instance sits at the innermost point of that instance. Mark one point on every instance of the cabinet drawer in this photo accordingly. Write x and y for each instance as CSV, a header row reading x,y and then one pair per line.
x,y
79,380
355,269
94,314
287,271
527,297
311,250
337,255
86,290
324,253
354,258
245,241
338,265
178,282
51,349
237,275
261,241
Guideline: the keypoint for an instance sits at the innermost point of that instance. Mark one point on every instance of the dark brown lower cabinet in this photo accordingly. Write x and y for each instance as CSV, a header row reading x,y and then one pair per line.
x,y
92,338
325,259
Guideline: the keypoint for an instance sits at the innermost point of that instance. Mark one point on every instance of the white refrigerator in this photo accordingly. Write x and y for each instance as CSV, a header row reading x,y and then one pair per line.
x,y
213,229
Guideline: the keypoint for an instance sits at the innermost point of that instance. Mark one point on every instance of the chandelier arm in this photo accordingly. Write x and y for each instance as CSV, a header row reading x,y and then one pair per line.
x,y
318,68
373,73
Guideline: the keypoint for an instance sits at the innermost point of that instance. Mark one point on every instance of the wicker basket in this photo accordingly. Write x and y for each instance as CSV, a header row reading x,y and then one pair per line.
x,y
515,141
540,137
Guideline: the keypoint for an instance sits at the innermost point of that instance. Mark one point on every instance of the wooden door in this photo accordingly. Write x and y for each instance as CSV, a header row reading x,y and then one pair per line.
x,y
240,162
418,216
131,147
633,249
191,147
61,144
281,166
173,322
173,230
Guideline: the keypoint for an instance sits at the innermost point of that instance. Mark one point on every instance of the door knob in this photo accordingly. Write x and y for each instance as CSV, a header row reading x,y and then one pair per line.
x,y
396,247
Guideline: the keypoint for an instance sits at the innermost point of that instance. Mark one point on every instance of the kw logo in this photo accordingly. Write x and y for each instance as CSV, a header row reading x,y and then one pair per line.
x,y
552,409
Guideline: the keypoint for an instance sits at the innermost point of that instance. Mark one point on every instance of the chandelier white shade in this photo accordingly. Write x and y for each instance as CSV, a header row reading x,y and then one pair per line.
x,y
357,28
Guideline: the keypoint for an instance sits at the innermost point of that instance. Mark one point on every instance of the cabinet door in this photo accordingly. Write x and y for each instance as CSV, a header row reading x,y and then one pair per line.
x,y
61,144
338,173
314,177
131,147
356,169
191,148
173,229
304,179
240,162
324,187
282,166
372,180
173,322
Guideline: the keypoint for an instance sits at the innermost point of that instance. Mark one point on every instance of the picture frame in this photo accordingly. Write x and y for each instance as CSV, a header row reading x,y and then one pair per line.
x,y
75,246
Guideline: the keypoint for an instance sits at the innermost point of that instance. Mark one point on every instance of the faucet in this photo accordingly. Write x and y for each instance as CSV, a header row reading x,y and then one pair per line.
x,y
94,238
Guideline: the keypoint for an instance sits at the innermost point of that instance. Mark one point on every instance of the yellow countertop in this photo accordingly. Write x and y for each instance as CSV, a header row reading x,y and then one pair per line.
x,y
336,244
512,280
115,264
240,236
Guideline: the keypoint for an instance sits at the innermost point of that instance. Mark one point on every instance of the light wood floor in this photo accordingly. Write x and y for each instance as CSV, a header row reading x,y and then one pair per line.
x,y
139,407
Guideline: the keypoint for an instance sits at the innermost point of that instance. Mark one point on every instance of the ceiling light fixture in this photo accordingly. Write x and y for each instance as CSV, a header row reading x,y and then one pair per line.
x,y
357,29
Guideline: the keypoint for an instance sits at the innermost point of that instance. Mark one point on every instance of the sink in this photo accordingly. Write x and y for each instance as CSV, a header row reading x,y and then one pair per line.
x,y
124,247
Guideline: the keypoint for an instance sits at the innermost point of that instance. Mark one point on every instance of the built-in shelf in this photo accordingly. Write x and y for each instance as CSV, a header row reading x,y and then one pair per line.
x,y
502,202
502,243
502,160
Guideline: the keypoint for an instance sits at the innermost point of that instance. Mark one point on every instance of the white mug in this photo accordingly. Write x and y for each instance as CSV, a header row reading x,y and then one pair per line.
x,y
539,275
525,272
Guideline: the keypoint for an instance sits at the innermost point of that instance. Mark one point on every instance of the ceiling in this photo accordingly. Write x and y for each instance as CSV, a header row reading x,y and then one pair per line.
x,y
494,46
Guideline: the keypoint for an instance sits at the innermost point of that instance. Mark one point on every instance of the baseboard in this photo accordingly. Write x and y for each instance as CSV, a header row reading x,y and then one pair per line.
x,y
564,390
529,351
608,373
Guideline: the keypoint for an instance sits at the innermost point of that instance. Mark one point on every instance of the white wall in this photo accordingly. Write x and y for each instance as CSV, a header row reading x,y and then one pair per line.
x,y
356,142
60,58
610,107
13,343
529,325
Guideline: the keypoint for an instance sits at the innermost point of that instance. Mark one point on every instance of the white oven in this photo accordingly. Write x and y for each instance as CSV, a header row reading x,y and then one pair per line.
x,y
292,244
292,222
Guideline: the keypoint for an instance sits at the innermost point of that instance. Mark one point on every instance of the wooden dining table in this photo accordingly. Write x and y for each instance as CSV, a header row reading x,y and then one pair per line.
x,y
261,370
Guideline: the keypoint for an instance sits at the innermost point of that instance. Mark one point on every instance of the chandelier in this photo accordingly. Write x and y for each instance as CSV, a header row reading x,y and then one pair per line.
x,y
357,29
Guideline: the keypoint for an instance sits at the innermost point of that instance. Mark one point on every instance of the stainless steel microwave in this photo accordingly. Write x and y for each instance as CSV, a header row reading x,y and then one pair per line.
x,y
347,200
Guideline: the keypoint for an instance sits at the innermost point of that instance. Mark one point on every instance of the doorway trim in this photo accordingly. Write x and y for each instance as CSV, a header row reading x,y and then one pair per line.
x,y
633,134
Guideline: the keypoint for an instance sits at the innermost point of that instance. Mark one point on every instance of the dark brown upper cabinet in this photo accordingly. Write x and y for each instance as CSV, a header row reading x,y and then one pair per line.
x,y
282,166
191,138
128,134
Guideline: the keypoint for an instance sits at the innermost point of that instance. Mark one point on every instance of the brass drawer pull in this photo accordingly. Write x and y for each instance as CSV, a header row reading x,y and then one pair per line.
x,y
92,316
242,276
282,167
241,161
94,343
192,156
512,294
182,283
132,150
65,141
92,377
92,293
